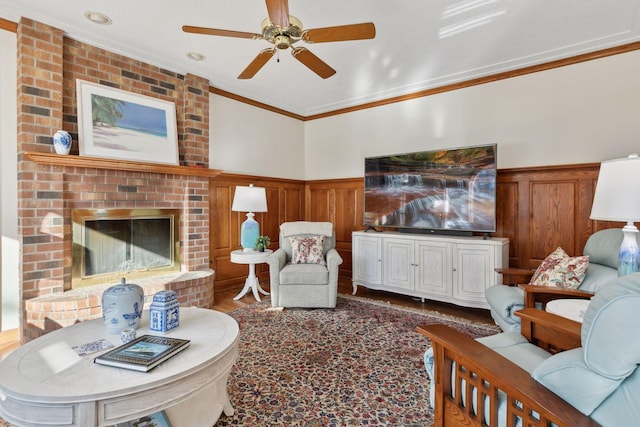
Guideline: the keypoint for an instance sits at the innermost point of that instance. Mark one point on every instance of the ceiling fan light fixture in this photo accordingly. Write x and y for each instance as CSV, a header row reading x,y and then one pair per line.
x,y
282,41
283,31
272,32
98,18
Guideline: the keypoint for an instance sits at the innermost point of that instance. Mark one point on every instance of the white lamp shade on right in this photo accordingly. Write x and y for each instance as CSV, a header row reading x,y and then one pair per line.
x,y
617,196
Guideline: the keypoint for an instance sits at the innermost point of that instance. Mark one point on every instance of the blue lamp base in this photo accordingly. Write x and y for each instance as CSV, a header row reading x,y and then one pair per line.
x,y
249,232
629,251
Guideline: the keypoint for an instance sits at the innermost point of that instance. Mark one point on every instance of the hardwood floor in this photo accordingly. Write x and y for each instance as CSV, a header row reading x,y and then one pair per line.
x,y
223,301
9,341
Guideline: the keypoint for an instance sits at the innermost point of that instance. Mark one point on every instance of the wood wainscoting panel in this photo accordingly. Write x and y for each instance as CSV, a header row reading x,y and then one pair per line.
x,y
339,201
507,218
284,203
553,223
541,208
538,209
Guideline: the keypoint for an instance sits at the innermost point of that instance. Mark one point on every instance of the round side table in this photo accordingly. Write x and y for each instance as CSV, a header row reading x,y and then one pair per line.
x,y
252,258
573,309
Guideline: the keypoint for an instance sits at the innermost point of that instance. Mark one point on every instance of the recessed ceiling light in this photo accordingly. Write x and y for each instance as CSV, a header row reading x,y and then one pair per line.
x,y
196,56
98,18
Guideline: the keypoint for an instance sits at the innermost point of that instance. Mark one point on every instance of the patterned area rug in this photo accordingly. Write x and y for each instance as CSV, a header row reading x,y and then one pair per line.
x,y
357,365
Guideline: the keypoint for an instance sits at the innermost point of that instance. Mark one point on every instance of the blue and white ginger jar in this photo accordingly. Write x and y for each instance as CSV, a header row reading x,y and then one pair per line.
x,y
62,142
122,307
164,312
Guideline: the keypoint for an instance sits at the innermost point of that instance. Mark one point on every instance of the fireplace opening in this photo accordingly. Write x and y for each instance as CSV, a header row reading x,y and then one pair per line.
x,y
111,243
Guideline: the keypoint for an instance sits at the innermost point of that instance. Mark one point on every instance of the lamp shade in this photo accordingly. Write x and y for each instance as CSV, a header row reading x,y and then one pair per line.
x,y
617,196
249,199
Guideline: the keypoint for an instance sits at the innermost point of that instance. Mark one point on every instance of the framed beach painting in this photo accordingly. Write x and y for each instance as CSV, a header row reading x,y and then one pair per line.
x,y
117,124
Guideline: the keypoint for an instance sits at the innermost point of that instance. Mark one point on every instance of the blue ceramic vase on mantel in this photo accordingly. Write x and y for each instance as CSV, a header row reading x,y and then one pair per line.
x,y
122,307
62,142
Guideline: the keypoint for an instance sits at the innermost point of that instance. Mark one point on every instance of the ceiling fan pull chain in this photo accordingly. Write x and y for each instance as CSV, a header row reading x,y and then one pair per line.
x,y
278,55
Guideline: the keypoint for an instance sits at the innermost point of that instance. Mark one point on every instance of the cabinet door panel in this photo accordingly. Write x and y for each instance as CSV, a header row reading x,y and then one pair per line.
x,y
398,267
367,260
473,273
434,268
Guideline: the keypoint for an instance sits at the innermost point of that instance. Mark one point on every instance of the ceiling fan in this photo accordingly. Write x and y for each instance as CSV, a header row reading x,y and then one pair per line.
x,y
283,30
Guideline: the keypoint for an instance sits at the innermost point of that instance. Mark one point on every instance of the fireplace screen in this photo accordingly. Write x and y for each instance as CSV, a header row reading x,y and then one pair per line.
x,y
135,242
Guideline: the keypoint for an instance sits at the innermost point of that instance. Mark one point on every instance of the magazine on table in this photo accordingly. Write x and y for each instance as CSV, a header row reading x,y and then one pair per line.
x,y
144,353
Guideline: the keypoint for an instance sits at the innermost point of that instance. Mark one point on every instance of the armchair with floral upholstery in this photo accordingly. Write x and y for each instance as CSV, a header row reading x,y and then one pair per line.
x,y
303,272
504,301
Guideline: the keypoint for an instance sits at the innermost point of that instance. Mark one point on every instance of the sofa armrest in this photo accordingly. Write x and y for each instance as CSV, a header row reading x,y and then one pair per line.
x,y
489,373
543,294
549,331
276,262
333,259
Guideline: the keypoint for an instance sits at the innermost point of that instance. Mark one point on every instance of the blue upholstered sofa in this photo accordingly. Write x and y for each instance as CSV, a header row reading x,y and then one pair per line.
x,y
603,249
597,383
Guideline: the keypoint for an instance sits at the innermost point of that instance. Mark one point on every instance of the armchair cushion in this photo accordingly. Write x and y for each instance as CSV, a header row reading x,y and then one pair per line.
x,y
598,374
567,375
516,348
612,322
304,274
603,247
597,276
560,270
307,249
504,302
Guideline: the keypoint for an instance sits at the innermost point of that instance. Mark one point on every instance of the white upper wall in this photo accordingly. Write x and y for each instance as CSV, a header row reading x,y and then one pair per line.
x,y
9,284
582,113
252,141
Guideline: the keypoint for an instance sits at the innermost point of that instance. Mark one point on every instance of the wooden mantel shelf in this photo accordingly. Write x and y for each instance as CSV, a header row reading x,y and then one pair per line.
x,y
115,164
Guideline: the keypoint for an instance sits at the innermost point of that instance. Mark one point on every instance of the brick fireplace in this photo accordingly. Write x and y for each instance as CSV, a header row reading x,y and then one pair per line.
x,y
51,186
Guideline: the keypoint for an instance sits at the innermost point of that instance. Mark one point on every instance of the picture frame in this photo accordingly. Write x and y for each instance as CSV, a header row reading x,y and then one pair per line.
x,y
116,124
157,419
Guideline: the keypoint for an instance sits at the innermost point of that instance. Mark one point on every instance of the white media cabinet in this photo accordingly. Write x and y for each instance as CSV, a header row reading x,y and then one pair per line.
x,y
451,269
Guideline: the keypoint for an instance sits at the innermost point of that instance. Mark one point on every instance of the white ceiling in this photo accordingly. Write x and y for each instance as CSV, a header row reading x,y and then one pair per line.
x,y
419,44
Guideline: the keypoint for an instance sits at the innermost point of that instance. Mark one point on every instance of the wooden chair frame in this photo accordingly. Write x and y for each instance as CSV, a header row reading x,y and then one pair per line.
x,y
540,295
479,367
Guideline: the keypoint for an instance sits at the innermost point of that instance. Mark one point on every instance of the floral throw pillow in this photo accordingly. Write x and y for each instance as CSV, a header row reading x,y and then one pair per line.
x,y
307,250
561,270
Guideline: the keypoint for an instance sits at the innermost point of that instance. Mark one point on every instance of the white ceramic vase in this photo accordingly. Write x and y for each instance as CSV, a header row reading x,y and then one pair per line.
x,y
62,142
122,307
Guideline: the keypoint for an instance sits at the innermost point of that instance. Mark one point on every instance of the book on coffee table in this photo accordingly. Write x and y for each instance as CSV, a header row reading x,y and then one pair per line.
x,y
144,353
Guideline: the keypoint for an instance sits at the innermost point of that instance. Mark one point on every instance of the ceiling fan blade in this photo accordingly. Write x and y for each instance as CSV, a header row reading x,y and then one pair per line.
x,y
257,63
314,63
278,12
340,33
216,32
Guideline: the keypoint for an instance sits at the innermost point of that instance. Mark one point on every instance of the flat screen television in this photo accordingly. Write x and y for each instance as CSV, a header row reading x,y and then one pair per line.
x,y
450,190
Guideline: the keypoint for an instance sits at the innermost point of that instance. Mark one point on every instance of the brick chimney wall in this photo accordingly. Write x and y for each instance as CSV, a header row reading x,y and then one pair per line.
x,y
48,66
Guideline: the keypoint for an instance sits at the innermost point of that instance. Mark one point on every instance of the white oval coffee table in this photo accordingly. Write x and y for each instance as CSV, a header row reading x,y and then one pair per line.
x,y
45,383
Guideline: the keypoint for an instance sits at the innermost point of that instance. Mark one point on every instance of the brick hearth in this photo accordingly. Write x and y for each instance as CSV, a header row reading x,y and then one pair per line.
x,y
48,65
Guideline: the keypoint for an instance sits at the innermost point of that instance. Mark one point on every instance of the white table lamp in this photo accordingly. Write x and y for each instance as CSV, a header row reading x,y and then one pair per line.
x,y
249,199
617,198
